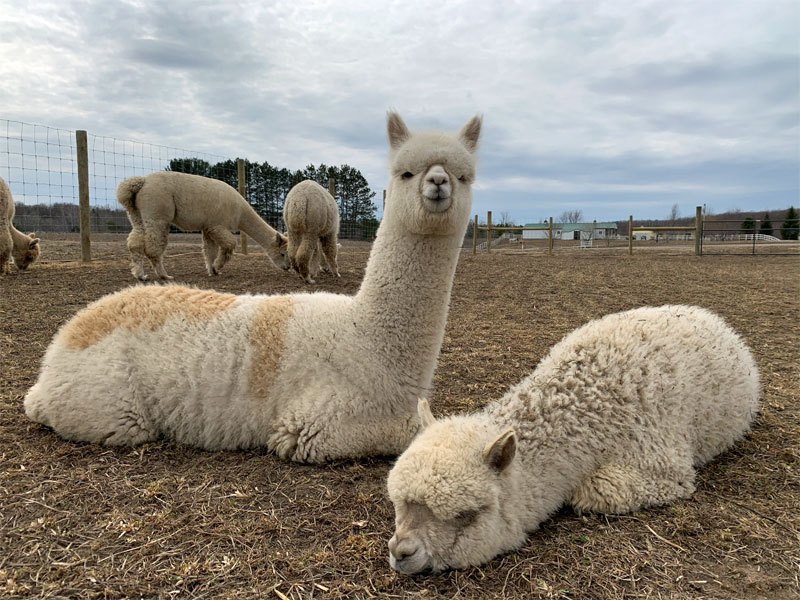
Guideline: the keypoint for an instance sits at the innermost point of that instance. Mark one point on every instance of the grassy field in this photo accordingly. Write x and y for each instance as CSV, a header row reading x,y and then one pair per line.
x,y
167,521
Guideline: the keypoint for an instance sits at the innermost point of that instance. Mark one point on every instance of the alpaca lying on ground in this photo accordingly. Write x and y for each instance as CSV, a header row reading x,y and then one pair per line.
x,y
312,226
314,377
192,203
23,249
615,418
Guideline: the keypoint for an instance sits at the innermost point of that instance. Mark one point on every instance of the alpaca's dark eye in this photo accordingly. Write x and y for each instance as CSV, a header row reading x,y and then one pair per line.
x,y
407,175
465,518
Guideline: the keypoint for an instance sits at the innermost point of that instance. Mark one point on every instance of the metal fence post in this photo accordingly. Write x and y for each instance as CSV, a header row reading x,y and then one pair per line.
x,y
488,232
756,228
550,238
630,235
475,235
82,148
242,191
698,231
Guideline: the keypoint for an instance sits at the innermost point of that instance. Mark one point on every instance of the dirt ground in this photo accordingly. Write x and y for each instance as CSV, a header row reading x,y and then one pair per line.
x,y
168,521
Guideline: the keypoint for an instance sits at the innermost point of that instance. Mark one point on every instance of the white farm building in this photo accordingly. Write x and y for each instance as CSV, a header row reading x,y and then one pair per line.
x,y
572,231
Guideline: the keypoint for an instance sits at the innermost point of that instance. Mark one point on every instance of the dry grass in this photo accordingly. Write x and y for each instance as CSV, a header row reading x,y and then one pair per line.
x,y
167,521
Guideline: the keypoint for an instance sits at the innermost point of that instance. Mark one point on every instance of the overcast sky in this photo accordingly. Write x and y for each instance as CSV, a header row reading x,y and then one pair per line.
x,y
613,108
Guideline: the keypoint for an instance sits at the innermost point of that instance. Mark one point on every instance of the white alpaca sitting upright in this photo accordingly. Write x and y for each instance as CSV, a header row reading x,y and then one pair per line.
x,y
314,377
312,226
192,203
23,249
615,418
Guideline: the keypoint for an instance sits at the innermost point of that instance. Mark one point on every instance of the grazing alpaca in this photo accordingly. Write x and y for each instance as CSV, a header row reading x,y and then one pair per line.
x,y
615,418
314,377
24,249
192,203
312,226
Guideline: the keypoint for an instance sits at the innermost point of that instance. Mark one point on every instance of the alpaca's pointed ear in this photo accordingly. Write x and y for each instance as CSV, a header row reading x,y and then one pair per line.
x,y
425,415
280,239
500,452
396,130
470,133
33,243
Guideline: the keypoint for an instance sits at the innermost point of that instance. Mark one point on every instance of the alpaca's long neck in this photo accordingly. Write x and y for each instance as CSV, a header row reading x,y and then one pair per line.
x,y
21,241
254,226
402,305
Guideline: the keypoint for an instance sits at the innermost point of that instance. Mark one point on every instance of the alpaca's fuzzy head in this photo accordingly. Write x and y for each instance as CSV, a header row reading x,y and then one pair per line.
x,y
278,252
430,188
448,489
25,254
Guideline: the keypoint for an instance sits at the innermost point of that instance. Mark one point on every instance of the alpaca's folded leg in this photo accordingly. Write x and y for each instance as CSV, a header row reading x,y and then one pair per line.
x,y
323,438
77,412
618,489
283,441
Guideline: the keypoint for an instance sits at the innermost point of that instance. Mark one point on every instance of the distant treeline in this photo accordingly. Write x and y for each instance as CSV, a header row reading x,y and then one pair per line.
x,y
266,187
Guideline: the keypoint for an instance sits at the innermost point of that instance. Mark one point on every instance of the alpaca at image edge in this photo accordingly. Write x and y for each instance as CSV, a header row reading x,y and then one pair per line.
x,y
615,418
192,203
312,226
313,377
14,245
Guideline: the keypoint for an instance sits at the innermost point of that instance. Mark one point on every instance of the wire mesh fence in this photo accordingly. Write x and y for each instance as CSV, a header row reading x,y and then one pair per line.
x,y
40,165
747,236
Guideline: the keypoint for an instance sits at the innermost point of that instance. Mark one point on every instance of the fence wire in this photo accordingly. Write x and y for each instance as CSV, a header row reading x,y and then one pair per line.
x,y
40,165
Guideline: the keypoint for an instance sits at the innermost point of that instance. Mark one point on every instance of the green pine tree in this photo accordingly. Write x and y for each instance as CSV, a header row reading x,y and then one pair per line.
x,y
193,166
766,225
791,225
748,225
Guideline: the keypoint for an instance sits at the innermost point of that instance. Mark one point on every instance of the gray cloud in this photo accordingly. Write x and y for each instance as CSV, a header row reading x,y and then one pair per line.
x,y
604,107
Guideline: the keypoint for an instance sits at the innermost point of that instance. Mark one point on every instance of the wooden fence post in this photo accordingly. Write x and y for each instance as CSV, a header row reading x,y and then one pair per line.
x,y
242,191
488,232
630,235
550,238
475,235
698,231
82,148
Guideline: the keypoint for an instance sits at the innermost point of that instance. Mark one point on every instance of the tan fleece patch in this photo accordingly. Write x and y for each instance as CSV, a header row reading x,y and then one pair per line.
x,y
268,339
138,308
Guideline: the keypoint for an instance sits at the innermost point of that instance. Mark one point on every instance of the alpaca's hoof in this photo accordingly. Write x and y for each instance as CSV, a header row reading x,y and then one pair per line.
x,y
283,442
